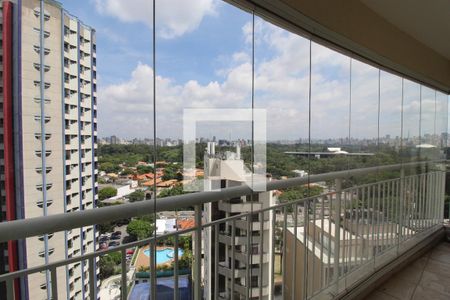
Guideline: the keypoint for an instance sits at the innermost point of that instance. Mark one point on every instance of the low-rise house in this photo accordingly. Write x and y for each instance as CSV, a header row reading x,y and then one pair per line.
x,y
164,226
167,184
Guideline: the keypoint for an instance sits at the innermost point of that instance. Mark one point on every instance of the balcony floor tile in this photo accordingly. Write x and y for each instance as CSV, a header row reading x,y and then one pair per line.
x,y
426,278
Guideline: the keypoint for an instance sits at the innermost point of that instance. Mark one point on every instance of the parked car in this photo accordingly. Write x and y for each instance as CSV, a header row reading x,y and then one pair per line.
x,y
117,233
113,244
123,222
115,237
103,239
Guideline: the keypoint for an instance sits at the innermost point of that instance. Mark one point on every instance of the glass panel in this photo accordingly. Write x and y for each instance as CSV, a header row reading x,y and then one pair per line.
x,y
364,119
428,141
204,86
411,123
330,104
441,122
390,120
282,89
124,62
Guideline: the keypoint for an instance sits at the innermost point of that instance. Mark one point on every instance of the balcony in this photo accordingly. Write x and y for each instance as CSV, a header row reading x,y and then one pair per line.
x,y
324,246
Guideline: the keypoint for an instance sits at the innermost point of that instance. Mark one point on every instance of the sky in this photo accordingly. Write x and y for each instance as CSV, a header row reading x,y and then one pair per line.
x,y
204,60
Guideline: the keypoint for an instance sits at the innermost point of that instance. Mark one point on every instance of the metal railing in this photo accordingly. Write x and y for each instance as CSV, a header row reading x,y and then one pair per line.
x,y
307,248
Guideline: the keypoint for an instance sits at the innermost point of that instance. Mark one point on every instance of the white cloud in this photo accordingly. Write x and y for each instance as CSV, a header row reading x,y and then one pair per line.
x,y
281,86
173,17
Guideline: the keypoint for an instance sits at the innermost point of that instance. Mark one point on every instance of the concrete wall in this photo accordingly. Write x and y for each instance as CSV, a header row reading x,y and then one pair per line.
x,y
314,279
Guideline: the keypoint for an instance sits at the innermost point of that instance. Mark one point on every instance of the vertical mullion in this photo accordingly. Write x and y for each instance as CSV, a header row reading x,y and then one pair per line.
x,y
313,245
249,253
272,276
313,253
233,250
363,213
383,218
419,201
123,264
306,247
175,268
399,210
322,202
435,198
261,253
252,166
427,195
350,232
10,289
424,200
216,261
294,265
54,283
414,199
92,288
198,251
283,267
330,212
358,190
373,218
369,222
337,235
343,237
378,217
152,272
408,208
388,215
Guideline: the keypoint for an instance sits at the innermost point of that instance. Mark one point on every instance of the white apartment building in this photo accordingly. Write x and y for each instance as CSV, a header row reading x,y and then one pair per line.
x,y
222,171
50,121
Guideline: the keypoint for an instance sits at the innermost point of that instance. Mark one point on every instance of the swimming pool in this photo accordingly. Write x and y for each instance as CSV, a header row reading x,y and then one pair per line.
x,y
164,255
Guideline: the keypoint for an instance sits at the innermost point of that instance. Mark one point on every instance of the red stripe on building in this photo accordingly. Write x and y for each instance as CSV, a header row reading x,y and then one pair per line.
x,y
8,140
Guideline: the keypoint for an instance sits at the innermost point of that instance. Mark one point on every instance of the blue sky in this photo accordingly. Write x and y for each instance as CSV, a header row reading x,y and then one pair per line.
x,y
203,52
121,45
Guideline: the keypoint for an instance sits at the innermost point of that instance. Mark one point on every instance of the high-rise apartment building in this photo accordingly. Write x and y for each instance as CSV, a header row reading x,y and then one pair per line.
x,y
237,248
49,139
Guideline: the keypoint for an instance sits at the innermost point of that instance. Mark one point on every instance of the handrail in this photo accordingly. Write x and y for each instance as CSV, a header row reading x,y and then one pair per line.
x,y
23,228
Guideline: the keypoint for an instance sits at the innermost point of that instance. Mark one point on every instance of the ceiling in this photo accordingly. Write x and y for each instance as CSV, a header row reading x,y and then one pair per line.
x,y
428,21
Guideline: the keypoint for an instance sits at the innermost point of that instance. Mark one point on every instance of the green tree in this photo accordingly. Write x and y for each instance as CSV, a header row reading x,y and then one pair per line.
x,y
185,261
176,190
140,229
108,264
127,171
106,227
186,242
144,169
299,192
106,268
170,172
116,257
109,167
138,195
107,192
